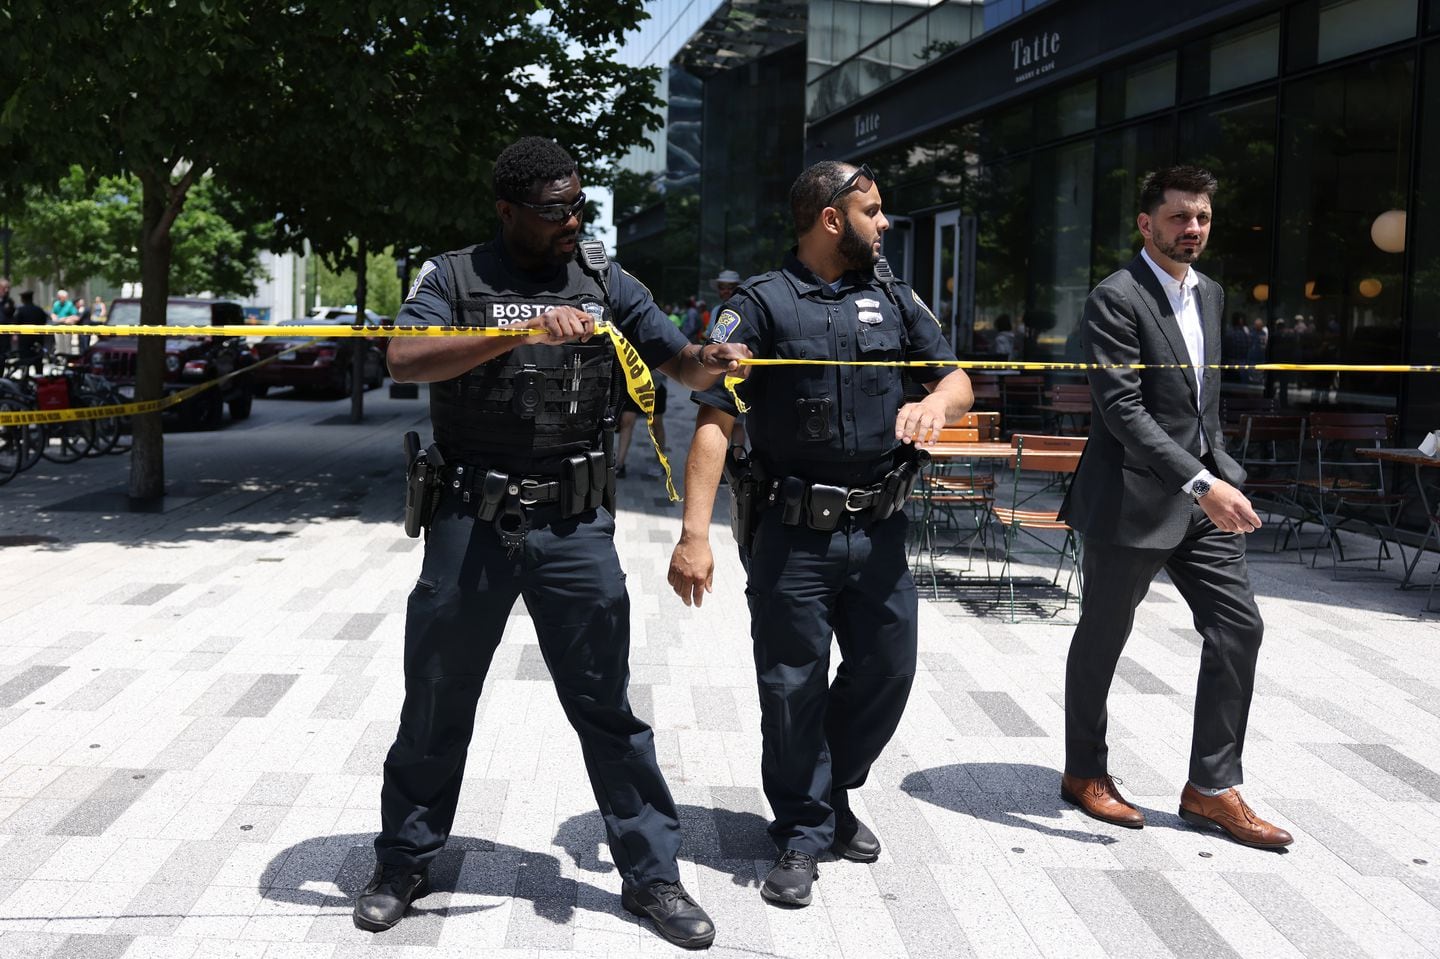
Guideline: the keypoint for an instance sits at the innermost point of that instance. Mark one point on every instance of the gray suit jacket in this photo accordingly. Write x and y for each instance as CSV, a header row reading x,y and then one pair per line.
x,y
1145,432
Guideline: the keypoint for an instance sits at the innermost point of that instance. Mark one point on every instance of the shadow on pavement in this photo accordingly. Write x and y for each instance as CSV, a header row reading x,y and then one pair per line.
x,y
1008,794
721,839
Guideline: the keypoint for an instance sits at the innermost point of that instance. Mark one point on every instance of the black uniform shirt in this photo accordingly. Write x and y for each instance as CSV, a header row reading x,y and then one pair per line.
x,y
638,318
831,424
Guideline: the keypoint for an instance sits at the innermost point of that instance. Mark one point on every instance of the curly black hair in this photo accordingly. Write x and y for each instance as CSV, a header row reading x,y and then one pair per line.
x,y
526,162
811,191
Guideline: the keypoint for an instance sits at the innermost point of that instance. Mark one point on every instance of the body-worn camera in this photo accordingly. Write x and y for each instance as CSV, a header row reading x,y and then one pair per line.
x,y
529,386
814,418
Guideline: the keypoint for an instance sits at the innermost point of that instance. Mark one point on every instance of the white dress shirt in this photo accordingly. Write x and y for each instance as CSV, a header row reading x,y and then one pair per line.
x,y
1184,297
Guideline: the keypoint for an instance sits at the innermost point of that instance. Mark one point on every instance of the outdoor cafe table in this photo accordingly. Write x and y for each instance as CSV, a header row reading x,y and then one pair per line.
x,y
1420,461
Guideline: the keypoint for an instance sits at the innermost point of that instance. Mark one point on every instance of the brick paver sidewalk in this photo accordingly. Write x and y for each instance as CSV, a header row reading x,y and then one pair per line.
x,y
194,706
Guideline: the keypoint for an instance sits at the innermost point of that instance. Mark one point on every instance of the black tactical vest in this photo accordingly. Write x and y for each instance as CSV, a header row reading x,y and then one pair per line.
x,y
475,415
827,423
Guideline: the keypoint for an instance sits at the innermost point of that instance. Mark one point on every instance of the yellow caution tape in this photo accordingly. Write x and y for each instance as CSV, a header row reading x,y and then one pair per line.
x,y
641,386
138,408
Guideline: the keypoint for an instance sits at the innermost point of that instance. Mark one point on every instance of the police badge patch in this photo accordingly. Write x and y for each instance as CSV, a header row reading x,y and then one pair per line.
x,y
425,270
868,311
724,325
921,303
595,309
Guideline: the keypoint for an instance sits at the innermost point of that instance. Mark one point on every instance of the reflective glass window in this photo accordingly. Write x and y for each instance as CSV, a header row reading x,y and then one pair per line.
x,y
1350,26
1245,55
1150,86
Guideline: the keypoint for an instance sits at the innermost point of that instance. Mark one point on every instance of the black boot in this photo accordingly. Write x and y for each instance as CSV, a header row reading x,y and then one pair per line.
x,y
790,878
676,916
392,888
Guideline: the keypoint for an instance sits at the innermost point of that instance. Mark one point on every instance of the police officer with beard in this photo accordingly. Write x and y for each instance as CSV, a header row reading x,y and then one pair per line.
x,y
833,459
522,426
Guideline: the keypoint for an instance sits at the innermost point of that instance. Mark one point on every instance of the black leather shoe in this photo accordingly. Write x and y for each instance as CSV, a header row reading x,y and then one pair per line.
x,y
383,903
789,880
854,841
676,916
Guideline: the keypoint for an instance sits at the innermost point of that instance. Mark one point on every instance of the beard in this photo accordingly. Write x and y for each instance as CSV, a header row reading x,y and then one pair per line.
x,y
1179,253
857,252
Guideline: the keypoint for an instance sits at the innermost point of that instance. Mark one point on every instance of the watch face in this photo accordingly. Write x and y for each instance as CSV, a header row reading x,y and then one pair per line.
x,y
1201,487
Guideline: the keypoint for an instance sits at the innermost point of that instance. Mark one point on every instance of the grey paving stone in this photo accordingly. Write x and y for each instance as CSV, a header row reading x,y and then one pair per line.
x,y
345,697
1362,771
100,690
544,920
1341,719
194,743
1140,678
195,861
1339,837
1006,714
20,855
222,694
26,682
95,813
93,947
360,626
157,909
740,821
715,708
153,595
1294,915
642,702
262,697
370,748
532,665
30,945
1174,921
1400,766
923,918
1111,918
965,714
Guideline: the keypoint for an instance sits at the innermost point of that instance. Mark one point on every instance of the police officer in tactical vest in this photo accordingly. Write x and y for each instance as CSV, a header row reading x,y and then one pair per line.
x,y
820,506
515,497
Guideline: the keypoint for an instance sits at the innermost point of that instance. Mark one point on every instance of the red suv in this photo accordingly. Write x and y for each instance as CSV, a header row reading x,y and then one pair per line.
x,y
189,360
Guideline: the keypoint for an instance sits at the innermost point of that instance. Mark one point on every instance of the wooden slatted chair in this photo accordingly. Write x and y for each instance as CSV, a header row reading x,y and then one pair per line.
x,y
1348,490
1047,454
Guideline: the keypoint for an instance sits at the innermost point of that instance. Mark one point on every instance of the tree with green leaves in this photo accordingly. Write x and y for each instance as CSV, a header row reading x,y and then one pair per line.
x,y
373,124
83,227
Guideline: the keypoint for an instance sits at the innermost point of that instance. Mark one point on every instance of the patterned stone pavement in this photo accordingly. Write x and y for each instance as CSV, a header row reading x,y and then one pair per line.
x,y
194,706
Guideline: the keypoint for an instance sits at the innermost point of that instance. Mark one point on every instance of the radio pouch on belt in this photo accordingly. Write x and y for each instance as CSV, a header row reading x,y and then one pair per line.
x,y
599,478
492,494
826,504
792,493
574,485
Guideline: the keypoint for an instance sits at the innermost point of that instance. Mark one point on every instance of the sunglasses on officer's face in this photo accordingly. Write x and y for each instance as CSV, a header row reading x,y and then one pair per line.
x,y
557,212
853,183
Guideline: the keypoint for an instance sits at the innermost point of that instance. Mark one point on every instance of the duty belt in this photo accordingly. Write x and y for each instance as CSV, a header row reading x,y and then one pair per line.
x,y
530,490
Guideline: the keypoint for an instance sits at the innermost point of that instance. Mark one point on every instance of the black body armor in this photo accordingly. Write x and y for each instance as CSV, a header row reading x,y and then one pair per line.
x,y
531,408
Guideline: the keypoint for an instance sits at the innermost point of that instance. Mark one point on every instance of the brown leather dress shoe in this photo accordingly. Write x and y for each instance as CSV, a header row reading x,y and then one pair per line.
x,y
1230,814
1099,799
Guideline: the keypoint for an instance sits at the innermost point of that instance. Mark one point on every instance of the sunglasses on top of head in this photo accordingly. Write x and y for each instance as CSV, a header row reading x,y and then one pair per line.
x,y
854,183
556,212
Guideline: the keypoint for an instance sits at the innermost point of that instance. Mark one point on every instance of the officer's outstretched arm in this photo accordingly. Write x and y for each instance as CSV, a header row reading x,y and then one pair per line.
x,y
419,359
692,564
950,398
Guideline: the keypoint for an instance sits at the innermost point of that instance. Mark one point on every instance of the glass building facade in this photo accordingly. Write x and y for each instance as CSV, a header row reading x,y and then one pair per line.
x,y
1011,165
710,192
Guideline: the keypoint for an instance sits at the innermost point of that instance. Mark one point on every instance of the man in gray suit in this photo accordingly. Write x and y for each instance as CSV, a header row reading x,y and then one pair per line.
x,y
1156,490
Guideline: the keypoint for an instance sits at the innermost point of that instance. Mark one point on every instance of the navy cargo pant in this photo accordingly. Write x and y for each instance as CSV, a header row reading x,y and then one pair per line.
x,y
574,589
820,737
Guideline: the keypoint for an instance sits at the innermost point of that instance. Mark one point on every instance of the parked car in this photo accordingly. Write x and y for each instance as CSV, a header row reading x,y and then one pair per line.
x,y
188,360
318,364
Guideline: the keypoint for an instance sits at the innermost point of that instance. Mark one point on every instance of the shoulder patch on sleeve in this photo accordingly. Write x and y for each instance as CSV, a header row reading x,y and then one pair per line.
x,y
921,303
425,270
724,325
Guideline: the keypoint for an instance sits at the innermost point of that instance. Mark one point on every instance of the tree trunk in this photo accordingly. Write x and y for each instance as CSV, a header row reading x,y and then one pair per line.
x,y
147,456
357,355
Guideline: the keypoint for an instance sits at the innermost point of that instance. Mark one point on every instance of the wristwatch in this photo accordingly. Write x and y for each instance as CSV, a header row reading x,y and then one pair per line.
x,y
1199,488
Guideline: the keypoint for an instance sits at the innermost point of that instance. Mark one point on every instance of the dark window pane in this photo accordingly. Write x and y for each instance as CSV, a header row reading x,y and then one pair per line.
x,y
1245,55
1059,277
1236,142
1345,145
1123,158
1150,86
1423,390
1350,26
1066,112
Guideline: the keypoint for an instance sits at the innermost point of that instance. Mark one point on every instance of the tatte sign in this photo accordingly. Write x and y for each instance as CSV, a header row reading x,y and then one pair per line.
x,y
867,128
1036,56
